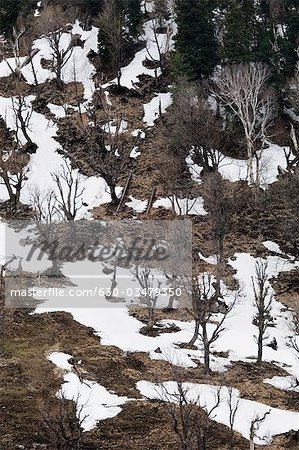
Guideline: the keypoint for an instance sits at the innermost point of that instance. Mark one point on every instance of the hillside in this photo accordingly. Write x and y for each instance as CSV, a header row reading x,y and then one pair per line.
x,y
149,224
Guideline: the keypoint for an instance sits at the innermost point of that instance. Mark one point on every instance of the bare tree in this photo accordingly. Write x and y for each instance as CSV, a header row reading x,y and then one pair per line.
x,y
254,427
44,205
53,24
233,406
111,293
13,171
195,126
183,207
108,147
243,89
263,304
175,285
99,143
69,198
294,328
14,46
26,46
20,43
210,416
162,45
23,115
61,424
105,153
2,272
13,164
149,292
46,213
190,417
205,300
185,414
220,200
183,195
111,162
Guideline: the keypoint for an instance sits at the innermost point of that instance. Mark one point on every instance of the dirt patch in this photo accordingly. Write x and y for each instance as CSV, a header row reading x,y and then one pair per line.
x,y
159,329
12,85
153,430
161,314
53,92
286,287
27,378
8,212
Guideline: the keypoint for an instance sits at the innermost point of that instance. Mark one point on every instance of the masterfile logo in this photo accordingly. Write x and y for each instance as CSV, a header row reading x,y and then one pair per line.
x,y
96,263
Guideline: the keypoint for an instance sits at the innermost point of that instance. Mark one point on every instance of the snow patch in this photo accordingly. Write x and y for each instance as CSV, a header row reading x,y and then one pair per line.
x,y
276,422
157,105
138,205
182,206
93,401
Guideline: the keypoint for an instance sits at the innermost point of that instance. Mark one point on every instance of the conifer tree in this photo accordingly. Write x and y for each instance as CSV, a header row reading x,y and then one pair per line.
x,y
162,10
93,6
239,38
134,18
270,40
9,11
196,44
111,39
291,46
119,27
278,37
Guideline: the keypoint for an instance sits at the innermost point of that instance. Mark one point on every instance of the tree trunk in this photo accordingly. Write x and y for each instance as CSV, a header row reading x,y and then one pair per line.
x,y
114,198
204,439
55,269
170,303
195,335
206,346
118,77
260,348
232,439
151,319
250,161
58,70
18,193
207,359
8,187
23,125
34,72
218,270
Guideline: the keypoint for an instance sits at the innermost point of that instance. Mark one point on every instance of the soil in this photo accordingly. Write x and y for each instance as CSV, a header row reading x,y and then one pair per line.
x,y
27,378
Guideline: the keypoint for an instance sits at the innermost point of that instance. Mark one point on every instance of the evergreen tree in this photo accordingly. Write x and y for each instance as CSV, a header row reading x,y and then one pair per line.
x,y
119,27
93,6
270,40
111,34
134,18
239,38
278,37
161,11
292,37
196,44
9,11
